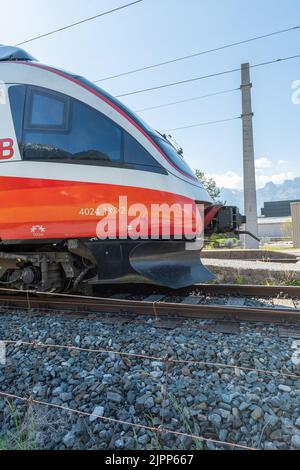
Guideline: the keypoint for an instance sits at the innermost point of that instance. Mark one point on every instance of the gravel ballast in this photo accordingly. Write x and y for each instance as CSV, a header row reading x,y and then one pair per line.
x,y
252,272
228,404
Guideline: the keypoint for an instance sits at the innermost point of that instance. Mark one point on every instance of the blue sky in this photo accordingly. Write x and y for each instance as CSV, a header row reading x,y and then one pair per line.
x,y
158,30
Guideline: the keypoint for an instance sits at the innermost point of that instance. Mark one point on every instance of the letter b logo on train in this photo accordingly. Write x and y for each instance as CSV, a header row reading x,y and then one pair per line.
x,y
6,149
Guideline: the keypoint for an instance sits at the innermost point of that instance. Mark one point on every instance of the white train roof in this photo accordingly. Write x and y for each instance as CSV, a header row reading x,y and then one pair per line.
x,y
8,53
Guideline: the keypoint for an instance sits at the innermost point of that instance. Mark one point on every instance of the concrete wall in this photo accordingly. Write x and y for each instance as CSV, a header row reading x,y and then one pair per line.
x,y
247,255
248,272
296,223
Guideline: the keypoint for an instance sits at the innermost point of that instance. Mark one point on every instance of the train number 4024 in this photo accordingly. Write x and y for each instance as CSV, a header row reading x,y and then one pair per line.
x,y
88,211
6,149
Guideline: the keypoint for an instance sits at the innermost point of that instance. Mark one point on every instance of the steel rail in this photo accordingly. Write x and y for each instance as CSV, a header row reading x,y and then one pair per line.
x,y
82,304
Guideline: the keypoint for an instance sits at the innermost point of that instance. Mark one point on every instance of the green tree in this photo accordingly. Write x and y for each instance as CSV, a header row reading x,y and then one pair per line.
x,y
209,184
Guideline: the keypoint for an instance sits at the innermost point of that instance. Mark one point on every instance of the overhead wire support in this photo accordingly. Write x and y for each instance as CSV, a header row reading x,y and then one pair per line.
x,y
122,7
197,54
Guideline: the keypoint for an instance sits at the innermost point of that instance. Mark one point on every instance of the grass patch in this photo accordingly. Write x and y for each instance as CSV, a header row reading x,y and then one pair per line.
x,y
294,282
23,436
190,424
3,444
218,241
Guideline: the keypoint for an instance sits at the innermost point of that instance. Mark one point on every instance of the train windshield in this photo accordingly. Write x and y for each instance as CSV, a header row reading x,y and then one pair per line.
x,y
173,155
167,148
120,105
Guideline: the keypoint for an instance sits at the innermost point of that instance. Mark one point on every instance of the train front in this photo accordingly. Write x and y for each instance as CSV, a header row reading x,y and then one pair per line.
x,y
172,257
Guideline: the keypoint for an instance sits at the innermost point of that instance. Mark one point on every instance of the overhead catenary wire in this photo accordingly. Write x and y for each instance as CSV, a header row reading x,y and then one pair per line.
x,y
181,82
188,100
197,54
207,123
203,77
72,25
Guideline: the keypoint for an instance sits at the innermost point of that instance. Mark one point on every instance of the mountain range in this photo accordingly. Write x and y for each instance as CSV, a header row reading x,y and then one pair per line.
x,y
289,189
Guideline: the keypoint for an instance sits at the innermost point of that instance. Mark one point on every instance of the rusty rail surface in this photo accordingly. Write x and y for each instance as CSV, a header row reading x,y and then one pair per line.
x,y
84,305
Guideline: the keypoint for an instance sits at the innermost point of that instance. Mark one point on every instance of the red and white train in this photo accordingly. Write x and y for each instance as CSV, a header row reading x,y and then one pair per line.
x,y
66,147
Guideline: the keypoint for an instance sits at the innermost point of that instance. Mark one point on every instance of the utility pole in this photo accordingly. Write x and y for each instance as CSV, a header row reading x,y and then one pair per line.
x,y
249,163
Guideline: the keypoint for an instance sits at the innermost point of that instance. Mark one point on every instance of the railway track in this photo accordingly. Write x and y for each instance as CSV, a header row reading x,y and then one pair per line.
x,y
227,303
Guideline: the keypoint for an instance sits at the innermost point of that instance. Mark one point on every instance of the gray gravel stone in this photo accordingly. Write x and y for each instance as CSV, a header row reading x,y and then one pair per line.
x,y
257,414
145,401
271,420
271,387
252,377
202,398
69,440
131,397
77,340
223,435
285,388
270,446
296,441
244,406
215,419
210,445
57,391
156,374
98,411
227,398
224,406
221,403
65,397
114,397
225,414
144,439
120,444
275,402
157,364
276,435
39,390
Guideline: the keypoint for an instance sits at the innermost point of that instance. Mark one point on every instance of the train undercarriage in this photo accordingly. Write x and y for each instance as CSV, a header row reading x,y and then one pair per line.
x,y
77,265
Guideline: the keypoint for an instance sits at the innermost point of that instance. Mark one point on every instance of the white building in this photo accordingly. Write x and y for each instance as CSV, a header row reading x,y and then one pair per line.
x,y
274,227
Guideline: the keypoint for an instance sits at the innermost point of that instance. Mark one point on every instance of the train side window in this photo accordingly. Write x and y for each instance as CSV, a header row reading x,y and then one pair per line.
x,y
47,110
137,156
73,132
17,95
